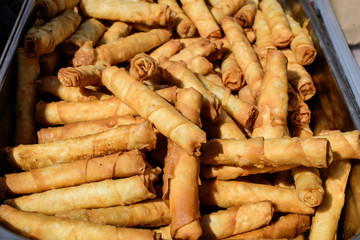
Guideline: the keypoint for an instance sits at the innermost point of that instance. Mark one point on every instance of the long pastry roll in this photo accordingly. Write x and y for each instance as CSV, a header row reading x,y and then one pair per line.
x,y
152,107
226,8
51,8
151,14
231,73
183,25
121,49
201,16
176,73
115,31
116,165
244,54
150,213
44,39
227,194
105,193
90,30
311,152
273,99
167,50
246,14
277,22
302,44
26,157
40,226
28,70
288,227
52,85
242,112
235,220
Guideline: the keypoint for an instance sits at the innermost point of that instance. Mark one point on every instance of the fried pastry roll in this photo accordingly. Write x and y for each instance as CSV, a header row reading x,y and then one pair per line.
x,y
302,44
311,152
150,213
227,194
106,193
245,94
167,50
244,54
143,67
226,8
176,73
231,73
183,25
90,30
52,85
200,15
299,78
28,70
115,31
242,112
277,22
225,172
273,99
152,107
44,39
235,220
263,36
121,49
325,222
118,165
288,226
128,137
40,226
200,65
246,14
298,111
151,14
78,129
51,8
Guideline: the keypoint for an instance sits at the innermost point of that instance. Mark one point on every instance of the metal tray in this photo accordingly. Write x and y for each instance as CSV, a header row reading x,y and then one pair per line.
x,y
333,107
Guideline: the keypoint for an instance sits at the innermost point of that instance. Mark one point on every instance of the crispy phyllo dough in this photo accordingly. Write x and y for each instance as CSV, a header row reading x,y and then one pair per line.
x,y
263,36
302,44
128,137
242,112
44,39
201,17
106,193
152,107
115,31
246,14
308,185
235,220
227,194
231,73
226,172
118,165
176,73
298,111
121,49
273,99
244,54
245,94
188,102
345,145
40,226
183,25
226,8
51,8
200,65
150,213
151,14
288,226
49,63
52,85
88,75
28,70
325,222
143,67
277,22
78,129
167,50
311,152
90,30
